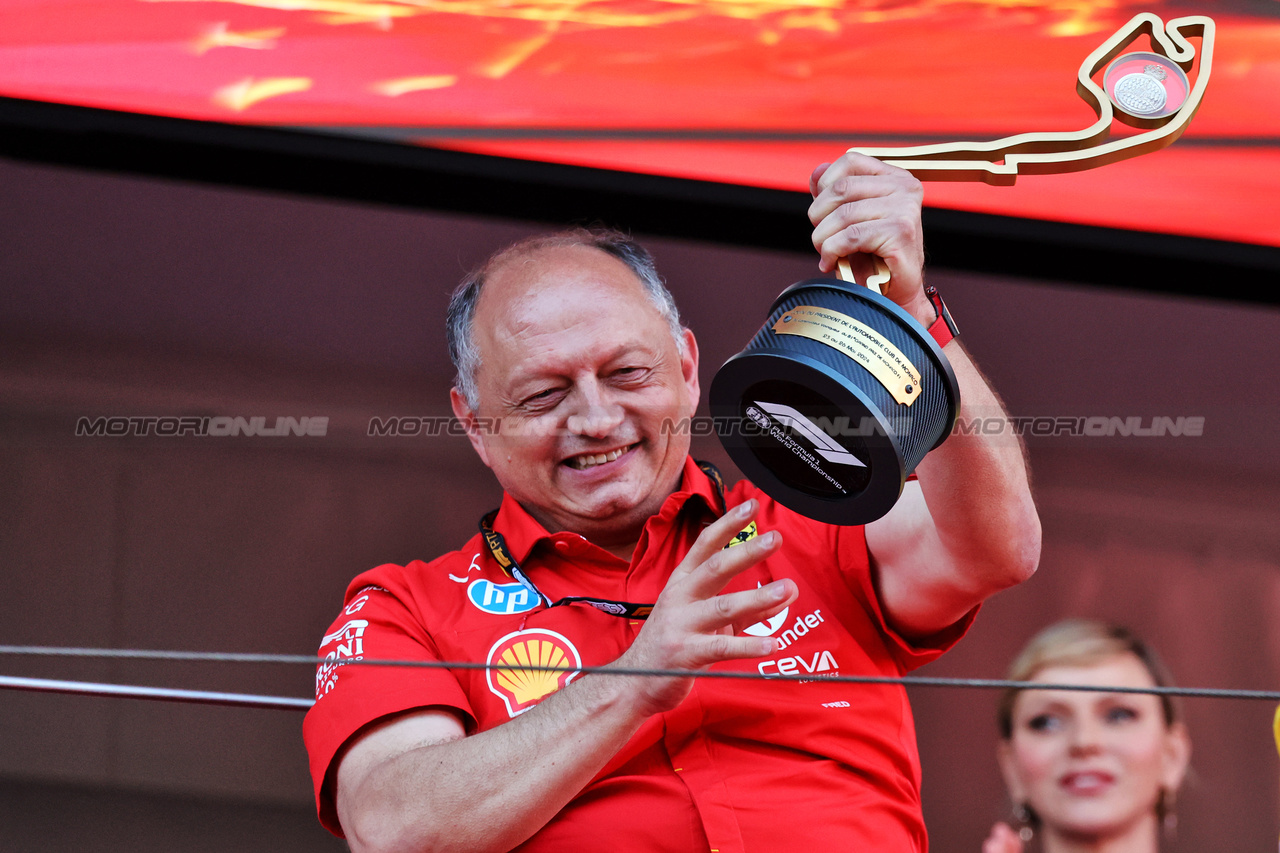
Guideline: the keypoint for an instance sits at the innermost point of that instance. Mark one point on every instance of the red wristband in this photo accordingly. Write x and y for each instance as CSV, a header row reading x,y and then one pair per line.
x,y
944,328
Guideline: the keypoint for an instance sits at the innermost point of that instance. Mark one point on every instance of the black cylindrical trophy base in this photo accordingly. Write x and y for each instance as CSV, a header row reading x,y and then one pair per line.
x,y
835,401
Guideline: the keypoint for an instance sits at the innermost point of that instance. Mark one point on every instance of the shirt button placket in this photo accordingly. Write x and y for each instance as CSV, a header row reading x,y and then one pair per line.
x,y
690,757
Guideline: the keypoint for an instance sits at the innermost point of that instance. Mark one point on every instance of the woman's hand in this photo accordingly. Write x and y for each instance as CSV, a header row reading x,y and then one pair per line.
x,y
1002,840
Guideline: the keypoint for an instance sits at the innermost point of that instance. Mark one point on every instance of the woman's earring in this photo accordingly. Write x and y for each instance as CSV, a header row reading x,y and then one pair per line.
x,y
1167,811
1026,820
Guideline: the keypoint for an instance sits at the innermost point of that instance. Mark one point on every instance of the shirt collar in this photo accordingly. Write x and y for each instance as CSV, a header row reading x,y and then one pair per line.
x,y
522,532
694,483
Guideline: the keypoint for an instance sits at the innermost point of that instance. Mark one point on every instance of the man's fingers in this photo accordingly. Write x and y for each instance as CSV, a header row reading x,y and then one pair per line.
x,y
713,648
855,189
716,536
887,226
815,179
860,226
851,164
737,610
710,577
877,237
876,214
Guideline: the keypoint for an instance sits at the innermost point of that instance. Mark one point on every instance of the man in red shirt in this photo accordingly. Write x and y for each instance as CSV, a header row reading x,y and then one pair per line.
x,y
611,548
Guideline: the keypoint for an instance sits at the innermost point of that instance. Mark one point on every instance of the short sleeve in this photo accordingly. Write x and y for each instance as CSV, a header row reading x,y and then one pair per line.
x,y
909,654
374,623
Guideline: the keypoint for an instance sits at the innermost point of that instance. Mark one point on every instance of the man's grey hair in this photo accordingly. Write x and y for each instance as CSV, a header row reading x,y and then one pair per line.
x,y
462,306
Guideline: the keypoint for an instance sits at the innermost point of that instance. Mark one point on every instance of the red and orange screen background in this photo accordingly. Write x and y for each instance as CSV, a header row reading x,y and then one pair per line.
x,y
751,92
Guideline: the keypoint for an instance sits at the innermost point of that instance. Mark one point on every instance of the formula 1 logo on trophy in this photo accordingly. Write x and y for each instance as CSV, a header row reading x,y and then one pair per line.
x,y
841,393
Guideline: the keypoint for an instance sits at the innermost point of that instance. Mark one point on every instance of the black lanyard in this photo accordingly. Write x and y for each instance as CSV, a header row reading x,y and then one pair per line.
x,y
622,609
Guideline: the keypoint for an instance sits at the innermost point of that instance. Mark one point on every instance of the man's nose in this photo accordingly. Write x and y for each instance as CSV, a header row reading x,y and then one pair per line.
x,y
595,415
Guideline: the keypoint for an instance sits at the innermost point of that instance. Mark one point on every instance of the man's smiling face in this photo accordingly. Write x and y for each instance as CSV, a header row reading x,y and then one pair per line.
x,y
581,369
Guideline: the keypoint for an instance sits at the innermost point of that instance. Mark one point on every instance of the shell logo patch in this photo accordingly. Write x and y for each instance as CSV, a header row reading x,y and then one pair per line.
x,y
516,680
746,534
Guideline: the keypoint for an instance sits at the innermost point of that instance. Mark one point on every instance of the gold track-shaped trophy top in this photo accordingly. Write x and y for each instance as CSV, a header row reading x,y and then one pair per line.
x,y
1146,90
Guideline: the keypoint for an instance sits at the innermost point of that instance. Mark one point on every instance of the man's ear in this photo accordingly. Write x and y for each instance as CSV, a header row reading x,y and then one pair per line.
x,y
462,411
689,368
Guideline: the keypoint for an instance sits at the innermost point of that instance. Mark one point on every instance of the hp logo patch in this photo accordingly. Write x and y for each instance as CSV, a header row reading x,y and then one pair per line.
x,y
501,599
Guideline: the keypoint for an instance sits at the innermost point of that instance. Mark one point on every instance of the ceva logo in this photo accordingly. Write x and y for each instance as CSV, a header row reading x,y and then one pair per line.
x,y
822,661
530,665
501,599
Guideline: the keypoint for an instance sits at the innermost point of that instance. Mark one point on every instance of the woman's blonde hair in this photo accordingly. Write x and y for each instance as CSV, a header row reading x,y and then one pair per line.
x,y
1081,642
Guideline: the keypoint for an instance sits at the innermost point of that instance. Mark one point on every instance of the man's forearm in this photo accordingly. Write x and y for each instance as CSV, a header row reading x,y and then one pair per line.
x,y
968,531
416,783
493,790
976,484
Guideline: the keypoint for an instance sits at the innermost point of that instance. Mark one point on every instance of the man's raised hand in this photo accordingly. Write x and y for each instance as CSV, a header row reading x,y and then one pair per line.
x,y
863,208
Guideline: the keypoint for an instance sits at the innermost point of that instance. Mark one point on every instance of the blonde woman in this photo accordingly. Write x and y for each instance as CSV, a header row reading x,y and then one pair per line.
x,y
1089,772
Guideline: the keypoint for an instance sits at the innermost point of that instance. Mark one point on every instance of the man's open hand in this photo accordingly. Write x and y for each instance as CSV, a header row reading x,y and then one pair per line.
x,y
692,625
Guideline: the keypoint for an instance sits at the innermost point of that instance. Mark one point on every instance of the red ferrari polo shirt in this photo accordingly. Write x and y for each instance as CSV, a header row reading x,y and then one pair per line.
x,y
739,766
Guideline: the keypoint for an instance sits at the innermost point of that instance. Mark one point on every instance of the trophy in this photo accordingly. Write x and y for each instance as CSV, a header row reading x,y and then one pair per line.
x,y
841,393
